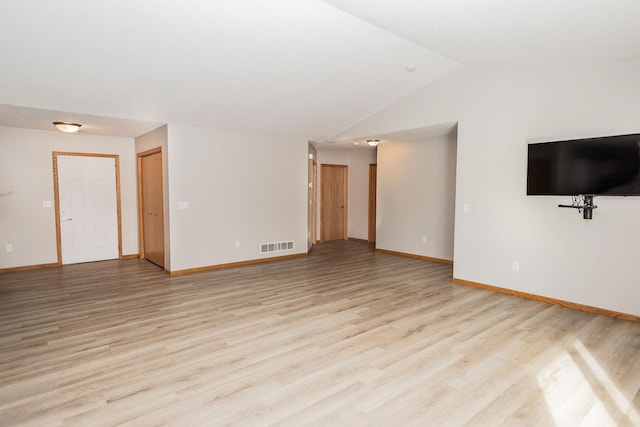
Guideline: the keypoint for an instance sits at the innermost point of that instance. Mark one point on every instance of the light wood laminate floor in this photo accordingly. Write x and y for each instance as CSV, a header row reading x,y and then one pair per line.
x,y
344,337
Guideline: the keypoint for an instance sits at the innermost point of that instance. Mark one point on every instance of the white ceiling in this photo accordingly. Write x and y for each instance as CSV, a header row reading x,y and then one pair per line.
x,y
405,135
37,118
471,31
298,68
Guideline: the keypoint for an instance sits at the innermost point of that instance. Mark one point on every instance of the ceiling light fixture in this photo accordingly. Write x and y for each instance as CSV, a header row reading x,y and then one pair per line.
x,y
67,127
373,142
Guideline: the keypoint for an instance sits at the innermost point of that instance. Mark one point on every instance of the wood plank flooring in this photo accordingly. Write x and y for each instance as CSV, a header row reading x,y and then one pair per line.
x,y
346,336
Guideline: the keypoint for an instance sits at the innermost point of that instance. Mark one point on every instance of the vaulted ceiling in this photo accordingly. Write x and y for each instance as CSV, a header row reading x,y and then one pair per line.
x,y
298,68
481,31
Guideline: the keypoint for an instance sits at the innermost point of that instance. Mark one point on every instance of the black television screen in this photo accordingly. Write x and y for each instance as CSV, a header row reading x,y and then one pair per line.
x,y
593,166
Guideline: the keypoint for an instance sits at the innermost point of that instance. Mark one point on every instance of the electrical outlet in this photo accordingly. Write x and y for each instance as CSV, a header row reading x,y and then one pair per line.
x,y
237,243
515,265
465,208
46,203
424,239
9,247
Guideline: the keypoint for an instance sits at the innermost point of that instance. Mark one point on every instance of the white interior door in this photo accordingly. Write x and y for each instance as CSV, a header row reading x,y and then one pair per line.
x,y
88,208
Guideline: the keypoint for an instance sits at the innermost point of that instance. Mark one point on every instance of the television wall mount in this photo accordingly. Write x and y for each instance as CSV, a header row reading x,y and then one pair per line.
x,y
584,204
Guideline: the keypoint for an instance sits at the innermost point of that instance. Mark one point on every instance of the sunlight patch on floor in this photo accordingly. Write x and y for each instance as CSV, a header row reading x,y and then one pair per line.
x,y
622,404
576,380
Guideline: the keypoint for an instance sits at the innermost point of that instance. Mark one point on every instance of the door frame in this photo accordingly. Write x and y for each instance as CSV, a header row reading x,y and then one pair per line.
x,y
139,156
345,172
314,204
373,185
56,197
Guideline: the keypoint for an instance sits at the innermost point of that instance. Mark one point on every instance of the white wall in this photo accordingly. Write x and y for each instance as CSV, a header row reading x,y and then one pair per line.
x,y
154,139
499,109
150,140
358,161
26,168
416,196
240,187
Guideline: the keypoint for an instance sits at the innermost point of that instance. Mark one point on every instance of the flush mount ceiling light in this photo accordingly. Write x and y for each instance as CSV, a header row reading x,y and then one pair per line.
x,y
373,142
67,127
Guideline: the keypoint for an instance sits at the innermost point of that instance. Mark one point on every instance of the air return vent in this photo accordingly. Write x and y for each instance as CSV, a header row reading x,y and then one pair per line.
x,y
266,248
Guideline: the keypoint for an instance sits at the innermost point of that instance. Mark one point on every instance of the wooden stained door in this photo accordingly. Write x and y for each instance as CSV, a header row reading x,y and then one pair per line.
x,y
333,202
151,206
314,204
373,180
87,207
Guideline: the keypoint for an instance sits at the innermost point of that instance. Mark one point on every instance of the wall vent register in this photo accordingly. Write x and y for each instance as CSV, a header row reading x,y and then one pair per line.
x,y
276,247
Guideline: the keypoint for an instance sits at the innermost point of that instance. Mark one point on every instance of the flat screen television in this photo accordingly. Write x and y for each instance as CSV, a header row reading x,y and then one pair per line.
x,y
593,166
